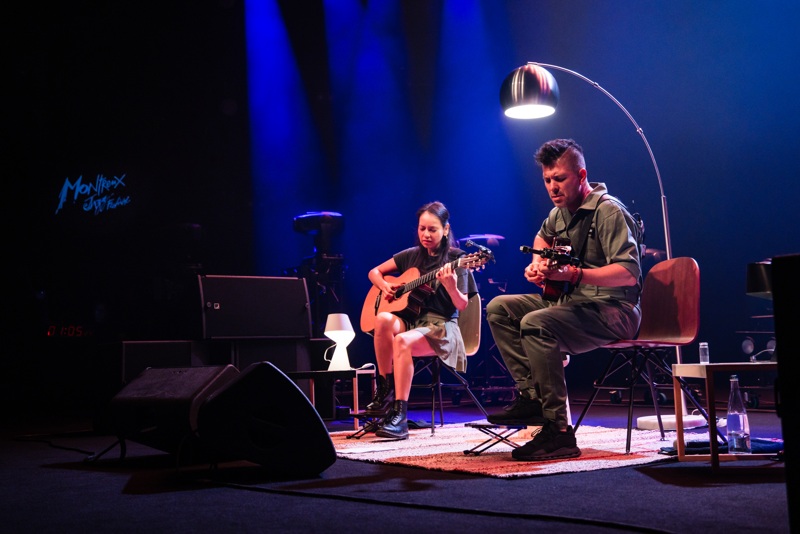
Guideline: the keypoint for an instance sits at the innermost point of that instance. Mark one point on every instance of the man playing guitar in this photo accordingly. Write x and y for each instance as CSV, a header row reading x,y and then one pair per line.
x,y
601,304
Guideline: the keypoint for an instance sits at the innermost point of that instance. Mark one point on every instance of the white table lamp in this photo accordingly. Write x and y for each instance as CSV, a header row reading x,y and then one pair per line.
x,y
339,329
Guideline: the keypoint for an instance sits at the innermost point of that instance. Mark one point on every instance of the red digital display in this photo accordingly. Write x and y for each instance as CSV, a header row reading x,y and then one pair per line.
x,y
68,330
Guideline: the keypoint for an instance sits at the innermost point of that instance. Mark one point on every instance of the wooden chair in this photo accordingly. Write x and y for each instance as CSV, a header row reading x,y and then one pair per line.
x,y
469,322
670,304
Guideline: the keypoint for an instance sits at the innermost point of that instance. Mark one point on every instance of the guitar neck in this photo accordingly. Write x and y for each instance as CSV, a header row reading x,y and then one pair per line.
x,y
425,278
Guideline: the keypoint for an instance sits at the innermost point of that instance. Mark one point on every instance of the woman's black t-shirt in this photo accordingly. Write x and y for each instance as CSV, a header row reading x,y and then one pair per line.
x,y
439,302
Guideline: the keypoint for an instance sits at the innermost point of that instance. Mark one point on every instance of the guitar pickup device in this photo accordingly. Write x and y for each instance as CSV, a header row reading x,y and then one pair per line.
x,y
552,254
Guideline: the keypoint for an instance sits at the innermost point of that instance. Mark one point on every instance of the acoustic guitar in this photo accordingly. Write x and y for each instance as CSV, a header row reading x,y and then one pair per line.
x,y
412,290
558,256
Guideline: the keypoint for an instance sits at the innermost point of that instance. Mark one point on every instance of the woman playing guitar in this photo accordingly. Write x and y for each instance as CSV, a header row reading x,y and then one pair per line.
x,y
427,325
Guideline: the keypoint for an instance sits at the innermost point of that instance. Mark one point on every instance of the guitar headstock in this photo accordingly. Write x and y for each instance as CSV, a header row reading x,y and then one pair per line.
x,y
476,260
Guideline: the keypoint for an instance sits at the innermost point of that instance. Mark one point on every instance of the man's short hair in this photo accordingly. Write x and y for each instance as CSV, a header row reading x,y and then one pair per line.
x,y
550,152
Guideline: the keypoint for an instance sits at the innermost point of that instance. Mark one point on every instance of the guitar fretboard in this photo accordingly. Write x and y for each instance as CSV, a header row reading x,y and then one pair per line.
x,y
424,279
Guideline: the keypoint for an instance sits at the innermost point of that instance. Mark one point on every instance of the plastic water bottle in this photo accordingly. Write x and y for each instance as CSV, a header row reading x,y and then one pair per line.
x,y
737,424
704,352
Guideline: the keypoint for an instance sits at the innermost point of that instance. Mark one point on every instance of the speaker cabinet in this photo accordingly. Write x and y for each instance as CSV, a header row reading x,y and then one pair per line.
x,y
160,407
139,355
286,354
254,307
264,418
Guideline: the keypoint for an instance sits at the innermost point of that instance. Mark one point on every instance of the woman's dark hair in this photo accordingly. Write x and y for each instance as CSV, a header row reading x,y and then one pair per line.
x,y
438,210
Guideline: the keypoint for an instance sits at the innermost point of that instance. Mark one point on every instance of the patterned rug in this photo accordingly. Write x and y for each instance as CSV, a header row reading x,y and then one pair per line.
x,y
601,448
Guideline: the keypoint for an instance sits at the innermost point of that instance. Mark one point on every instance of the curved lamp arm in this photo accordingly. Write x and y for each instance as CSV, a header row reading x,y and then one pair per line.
x,y
664,212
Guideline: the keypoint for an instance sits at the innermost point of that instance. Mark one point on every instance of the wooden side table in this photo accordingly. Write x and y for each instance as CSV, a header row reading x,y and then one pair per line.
x,y
353,374
707,372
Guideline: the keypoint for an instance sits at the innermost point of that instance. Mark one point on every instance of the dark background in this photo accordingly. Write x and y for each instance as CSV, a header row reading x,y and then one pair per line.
x,y
229,119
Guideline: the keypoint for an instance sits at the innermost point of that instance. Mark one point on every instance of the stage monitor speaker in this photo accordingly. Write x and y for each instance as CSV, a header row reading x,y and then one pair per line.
x,y
263,417
288,355
254,307
160,407
139,355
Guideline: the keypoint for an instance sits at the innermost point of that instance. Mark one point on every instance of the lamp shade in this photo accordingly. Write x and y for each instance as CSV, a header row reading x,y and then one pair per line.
x,y
339,329
529,92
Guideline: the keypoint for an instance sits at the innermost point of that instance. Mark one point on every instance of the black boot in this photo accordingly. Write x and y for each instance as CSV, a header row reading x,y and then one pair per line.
x,y
395,425
384,395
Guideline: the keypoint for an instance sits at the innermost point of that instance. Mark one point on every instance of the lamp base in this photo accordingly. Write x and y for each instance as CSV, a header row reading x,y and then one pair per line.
x,y
340,361
650,422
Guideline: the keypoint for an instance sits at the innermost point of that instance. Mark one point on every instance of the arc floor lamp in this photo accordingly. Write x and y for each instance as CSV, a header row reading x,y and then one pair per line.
x,y
531,92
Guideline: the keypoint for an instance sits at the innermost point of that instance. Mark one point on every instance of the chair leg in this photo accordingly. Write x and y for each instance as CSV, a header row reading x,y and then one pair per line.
x,y
434,367
644,364
687,391
597,383
649,375
465,385
588,405
630,423
636,373
437,385
638,362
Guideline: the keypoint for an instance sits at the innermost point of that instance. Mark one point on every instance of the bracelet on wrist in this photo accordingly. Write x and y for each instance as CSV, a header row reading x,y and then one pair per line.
x,y
574,276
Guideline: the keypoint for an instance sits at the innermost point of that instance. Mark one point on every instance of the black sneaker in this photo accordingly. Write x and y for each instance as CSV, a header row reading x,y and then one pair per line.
x,y
549,444
522,411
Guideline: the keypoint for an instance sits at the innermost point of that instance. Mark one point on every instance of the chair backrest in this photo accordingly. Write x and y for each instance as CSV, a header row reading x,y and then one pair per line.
x,y
671,302
469,322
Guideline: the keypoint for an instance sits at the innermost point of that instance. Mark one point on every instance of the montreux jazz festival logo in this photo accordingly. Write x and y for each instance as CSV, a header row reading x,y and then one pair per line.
x,y
101,195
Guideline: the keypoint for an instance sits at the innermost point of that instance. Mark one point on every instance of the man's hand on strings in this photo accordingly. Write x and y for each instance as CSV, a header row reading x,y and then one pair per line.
x,y
533,272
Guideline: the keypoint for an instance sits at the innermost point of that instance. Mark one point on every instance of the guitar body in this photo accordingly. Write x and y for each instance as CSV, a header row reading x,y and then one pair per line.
x,y
412,290
553,289
407,306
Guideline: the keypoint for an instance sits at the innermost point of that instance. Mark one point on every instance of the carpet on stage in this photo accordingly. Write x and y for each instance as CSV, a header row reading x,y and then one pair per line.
x,y
601,448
